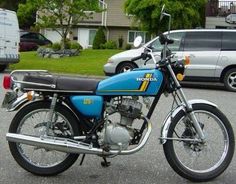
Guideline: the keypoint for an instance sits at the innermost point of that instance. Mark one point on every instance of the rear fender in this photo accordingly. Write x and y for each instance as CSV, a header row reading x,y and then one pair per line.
x,y
22,101
18,103
167,122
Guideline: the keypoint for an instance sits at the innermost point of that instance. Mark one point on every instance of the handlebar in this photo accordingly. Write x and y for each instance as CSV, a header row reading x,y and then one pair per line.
x,y
164,39
136,58
145,55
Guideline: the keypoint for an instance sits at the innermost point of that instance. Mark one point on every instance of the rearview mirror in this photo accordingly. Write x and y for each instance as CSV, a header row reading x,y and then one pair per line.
x,y
137,42
162,12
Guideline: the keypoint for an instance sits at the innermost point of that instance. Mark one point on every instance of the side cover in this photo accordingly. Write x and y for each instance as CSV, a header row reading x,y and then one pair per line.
x,y
137,82
90,106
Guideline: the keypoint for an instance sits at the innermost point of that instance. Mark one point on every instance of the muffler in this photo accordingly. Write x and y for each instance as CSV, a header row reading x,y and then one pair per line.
x,y
54,143
72,146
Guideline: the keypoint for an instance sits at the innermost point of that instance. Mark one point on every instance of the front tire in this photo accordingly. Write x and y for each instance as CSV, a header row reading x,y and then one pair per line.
x,y
194,161
30,120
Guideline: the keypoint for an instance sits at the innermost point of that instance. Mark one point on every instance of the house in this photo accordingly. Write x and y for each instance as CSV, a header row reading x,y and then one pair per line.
x,y
116,23
221,14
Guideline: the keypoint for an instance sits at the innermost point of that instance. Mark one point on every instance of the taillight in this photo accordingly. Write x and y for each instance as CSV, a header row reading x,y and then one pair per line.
x,y
7,82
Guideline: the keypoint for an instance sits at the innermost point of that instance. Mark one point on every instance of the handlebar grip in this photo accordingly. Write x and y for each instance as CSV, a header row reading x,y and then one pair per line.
x,y
136,58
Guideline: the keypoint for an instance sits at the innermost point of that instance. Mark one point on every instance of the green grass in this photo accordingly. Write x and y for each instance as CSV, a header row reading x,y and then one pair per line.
x,y
90,62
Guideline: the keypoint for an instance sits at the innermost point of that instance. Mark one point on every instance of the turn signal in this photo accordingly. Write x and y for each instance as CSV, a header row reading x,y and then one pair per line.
x,y
7,82
30,95
180,76
187,60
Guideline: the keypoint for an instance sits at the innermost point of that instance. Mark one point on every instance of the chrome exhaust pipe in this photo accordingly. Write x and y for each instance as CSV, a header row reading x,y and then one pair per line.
x,y
71,146
53,143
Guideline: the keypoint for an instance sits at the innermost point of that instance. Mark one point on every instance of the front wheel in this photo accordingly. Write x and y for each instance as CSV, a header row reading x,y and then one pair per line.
x,y
31,120
198,161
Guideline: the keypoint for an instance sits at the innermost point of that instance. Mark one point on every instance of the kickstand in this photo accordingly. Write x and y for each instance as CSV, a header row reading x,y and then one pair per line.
x,y
105,163
82,160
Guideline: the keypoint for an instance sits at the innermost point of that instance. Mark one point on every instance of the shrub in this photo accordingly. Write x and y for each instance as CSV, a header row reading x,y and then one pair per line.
x,y
99,39
109,45
67,43
102,46
128,47
75,45
55,46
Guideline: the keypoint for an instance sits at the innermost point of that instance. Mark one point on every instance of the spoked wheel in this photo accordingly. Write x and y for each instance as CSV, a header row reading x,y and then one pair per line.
x,y
200,161
31,120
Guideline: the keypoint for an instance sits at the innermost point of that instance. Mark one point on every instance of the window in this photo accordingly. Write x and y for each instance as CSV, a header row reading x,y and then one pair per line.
x,y
177,37
133,34
92,33
202,41
41,37
229,41
29,36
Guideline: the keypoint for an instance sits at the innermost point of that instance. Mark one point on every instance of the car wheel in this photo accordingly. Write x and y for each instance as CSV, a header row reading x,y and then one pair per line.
x,y
230,80
125,67
2,67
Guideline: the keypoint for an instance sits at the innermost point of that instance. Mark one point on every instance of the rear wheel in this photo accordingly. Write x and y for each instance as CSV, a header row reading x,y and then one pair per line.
x,y
199,161
125,67
31,120
230,80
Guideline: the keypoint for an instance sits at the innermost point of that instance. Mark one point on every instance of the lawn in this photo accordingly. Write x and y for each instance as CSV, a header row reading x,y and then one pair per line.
x,y
90,62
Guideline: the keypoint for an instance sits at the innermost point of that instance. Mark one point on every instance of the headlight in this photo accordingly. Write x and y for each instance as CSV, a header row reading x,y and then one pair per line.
x,y
110,60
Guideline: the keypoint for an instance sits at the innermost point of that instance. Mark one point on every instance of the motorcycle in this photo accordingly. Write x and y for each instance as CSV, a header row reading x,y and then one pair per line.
x,y
60,118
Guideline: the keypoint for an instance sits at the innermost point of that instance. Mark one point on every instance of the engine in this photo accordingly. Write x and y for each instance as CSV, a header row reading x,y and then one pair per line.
x,y
118,135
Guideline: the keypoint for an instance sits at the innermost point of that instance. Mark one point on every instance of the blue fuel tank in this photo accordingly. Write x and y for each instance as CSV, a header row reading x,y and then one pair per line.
x,y
143,82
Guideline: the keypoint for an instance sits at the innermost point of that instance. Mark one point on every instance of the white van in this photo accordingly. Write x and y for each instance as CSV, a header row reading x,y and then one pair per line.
x,y
212,53
9,38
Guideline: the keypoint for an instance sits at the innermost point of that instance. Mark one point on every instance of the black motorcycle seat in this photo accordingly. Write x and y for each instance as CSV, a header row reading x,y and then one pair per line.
x,y
61,83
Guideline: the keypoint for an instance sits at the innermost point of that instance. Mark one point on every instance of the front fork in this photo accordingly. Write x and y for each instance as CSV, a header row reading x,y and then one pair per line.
x,y
49,118
188,107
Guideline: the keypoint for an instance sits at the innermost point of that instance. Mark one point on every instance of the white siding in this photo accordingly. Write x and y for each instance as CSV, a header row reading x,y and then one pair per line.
x,y
52,35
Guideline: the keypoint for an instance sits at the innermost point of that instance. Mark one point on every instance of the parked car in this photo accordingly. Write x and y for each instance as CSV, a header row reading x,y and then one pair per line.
x,y
9,38
212,53
30,41
231,18
28,46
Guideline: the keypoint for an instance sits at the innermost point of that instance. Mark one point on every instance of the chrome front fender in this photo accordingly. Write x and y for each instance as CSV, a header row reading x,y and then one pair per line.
x,y
173,113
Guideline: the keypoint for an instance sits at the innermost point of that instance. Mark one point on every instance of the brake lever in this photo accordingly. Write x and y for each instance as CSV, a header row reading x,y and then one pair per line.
x,y
146,61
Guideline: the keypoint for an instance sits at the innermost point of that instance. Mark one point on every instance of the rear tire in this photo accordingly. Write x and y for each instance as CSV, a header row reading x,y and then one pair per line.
x,y
230,80
20,151
180,157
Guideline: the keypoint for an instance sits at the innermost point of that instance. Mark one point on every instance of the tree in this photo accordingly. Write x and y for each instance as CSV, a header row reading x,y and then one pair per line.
x,y
11,4
60,15
99,38
185,14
